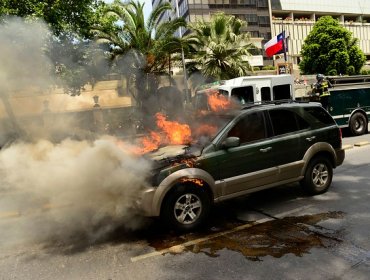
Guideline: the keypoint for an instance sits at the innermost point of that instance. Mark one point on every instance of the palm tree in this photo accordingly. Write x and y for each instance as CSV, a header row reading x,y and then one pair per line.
x,y
219,48
140,49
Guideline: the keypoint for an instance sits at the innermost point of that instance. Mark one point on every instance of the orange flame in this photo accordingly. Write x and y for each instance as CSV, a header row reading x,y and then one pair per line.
x,y
176,133
150,143
192,180
171,133
189,162
205,129
218,102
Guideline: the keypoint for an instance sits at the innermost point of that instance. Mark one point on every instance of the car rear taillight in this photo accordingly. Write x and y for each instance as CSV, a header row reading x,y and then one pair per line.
x,y
340,135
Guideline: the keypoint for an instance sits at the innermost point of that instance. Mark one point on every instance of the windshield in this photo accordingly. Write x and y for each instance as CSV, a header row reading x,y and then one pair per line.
x,y
205,128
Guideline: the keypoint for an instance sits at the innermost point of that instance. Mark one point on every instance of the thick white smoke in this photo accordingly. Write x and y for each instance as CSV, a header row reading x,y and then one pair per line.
x,y
65,190
90,188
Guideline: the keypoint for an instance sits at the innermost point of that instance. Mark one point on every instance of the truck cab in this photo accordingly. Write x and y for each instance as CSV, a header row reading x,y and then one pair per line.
x,y
247,90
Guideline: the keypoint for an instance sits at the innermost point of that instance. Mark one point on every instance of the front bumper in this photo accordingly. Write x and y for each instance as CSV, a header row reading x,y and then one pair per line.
x,y
144,203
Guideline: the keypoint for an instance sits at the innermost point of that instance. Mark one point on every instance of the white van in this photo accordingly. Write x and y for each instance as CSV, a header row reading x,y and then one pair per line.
x,y
249,89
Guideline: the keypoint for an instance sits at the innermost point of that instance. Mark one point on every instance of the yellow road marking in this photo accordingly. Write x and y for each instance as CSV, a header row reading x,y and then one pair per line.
x,y
346,147
45,207
55,206
10,214
363,143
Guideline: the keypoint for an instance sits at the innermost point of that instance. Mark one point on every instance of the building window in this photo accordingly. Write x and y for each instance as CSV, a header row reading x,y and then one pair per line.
x,y
264,36
254,34
264,21
251,19
262,4
251,3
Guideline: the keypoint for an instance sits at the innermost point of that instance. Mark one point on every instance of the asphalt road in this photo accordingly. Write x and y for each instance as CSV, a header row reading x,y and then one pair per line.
x,y
274,234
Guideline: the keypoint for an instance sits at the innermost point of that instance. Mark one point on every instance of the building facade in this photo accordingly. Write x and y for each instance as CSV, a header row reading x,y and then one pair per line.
x,y
267,18
297,18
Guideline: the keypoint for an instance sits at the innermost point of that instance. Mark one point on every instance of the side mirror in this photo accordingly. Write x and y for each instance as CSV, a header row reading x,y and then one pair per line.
x,y
231,142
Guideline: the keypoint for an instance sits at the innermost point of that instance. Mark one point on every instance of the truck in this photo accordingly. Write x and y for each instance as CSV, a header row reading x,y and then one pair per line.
x,y
349,102
247,89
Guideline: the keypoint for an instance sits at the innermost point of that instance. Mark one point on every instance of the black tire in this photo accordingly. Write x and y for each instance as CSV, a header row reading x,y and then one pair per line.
x,y
318,176
186,207
358,124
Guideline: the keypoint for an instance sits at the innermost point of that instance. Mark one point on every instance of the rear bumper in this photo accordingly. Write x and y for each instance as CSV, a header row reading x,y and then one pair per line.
x,y
340,154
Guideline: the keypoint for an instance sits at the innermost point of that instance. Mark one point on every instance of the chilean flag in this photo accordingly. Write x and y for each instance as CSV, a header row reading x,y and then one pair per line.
x,y
275,45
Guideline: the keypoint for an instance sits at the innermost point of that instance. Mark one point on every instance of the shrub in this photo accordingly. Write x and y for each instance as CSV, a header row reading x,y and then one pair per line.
x,y
268,67
351,70
332,72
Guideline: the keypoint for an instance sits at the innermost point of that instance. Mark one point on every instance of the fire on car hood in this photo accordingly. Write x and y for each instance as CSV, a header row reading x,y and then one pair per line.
x,y
171,151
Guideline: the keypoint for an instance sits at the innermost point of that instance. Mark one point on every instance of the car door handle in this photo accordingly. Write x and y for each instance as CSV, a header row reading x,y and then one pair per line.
x,y
309,139
265,150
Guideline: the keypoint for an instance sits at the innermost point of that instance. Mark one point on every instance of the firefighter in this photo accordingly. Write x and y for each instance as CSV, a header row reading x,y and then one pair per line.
x,y
321,89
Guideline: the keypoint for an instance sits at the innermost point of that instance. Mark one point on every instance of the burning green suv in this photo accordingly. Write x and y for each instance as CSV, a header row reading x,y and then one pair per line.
x,y
255,148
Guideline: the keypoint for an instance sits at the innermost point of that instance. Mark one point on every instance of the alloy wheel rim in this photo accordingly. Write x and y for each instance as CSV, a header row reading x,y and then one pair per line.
x,y
359,125
188,208
320,175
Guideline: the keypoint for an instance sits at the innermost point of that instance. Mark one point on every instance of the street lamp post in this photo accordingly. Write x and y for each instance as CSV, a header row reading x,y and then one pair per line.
x,y
183,58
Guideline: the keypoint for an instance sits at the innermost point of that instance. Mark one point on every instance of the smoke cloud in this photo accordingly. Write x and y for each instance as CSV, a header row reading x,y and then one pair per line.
x,y
90,188
22,61
62,190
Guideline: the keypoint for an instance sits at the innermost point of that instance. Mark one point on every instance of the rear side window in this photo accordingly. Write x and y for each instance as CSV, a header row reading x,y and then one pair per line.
x,y
319,116
286,121
265,94
243,94
281,92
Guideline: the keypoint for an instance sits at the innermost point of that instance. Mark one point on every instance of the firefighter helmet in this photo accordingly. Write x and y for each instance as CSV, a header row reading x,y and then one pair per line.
x,y
319,77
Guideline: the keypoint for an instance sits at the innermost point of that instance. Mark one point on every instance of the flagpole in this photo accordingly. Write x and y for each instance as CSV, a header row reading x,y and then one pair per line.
x,y
284,45
271,26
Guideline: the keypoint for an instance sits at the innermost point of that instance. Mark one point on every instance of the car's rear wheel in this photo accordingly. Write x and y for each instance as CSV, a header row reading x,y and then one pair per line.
x,y
318,176
358,124
186,207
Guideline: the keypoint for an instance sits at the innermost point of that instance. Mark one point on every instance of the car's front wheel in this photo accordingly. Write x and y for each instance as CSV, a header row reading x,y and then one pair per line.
x,y
318,176
186,207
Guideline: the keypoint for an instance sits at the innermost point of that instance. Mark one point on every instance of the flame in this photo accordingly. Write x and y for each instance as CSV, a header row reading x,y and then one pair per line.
x,y
149,143
175,132
171,132
189,162
192,180
205,129
218,102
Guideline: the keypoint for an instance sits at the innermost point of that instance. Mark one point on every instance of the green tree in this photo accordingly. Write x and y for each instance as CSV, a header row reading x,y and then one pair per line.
x,y
140,49
62,16
219,48
330,48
